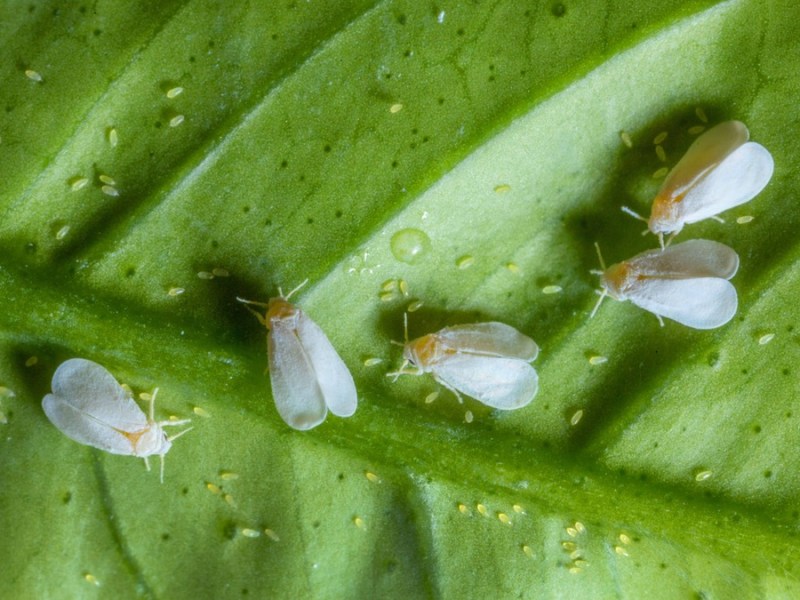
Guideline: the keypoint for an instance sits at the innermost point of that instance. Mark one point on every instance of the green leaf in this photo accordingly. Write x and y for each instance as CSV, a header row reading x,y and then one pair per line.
x,y
306,139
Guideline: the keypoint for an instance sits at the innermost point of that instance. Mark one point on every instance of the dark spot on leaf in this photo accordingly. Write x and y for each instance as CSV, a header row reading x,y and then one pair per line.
x,y
214,244
460,31
490,78
387,76
341,476
663,565
757,429
391,565
785,371
9,108
412,145
191,59
274,36
767,474
185,491
130,272
245,591
82,10
394,164
338,214
558,9
31,8
546,407
744,371
414,131
327,148
310,220
97,32
157,124
268,223
302,177
165,537
245,209
407,53
789,415
713,359
211,43
229,530
441,101
284,163
401,19
66,497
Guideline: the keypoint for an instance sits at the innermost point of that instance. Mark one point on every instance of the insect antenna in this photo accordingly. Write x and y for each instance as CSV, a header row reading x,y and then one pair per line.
x,y
402,370
603,291
600,257
152,413
603,294
633,213
636,216
290,294
169,439
257,314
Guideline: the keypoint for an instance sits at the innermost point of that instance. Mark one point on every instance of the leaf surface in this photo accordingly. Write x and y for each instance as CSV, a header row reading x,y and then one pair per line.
x,y
469,154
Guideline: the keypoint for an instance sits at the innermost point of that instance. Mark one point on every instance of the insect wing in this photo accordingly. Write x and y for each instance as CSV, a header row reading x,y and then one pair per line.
x,y
504,383
705,153
701,302
295,387
490,339
695,258
738,178
89,406
333,376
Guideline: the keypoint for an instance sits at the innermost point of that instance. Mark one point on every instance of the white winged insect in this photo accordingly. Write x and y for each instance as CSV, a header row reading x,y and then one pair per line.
x,y
720,170
687,283
308,376
90,407
486,361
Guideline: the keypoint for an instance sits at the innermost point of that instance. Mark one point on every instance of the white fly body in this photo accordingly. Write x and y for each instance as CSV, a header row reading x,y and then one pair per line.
x,y
486,361
90,407
720,170
687,283
308,376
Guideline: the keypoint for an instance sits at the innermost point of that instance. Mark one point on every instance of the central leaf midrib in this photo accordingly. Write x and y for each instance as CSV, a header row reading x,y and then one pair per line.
x,y
480,457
